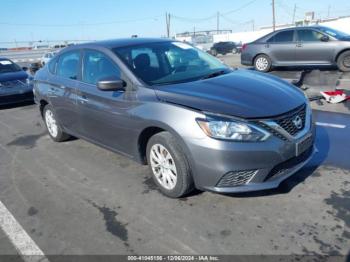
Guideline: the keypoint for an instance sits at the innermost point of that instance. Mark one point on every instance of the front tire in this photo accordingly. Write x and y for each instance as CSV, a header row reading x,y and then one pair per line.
x,y
234,51
344,62
262,63
54,129
169,167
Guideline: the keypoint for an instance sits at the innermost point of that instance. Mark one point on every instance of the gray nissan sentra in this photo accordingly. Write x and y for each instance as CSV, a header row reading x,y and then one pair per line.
x,y
196,122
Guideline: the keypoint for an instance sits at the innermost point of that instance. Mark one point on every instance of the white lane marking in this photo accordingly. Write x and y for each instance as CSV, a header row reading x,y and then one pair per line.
x,y
19,238
331,125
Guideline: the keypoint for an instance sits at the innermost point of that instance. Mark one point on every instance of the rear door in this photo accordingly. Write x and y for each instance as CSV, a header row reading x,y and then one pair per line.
x,y
61,88
281,47
104,116
312,50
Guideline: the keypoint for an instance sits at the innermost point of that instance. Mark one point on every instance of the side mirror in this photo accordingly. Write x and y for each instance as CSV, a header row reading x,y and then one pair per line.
x,y
324,38
111,84
25,68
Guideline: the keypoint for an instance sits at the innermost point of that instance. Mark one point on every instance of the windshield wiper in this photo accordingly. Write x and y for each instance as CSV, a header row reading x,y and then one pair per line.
x,y
214,74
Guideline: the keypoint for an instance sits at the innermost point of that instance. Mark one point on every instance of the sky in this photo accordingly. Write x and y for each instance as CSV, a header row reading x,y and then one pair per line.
x,y
33,20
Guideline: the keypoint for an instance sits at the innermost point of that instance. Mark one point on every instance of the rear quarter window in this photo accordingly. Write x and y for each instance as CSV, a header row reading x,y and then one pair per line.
x,y
52,65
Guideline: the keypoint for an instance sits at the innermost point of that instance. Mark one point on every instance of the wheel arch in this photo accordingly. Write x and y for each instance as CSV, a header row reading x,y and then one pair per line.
x,y
154,129
341,52
42,104
260,54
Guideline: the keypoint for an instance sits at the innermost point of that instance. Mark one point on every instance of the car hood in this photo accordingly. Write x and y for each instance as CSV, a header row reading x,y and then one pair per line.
x,y
20,75
242,93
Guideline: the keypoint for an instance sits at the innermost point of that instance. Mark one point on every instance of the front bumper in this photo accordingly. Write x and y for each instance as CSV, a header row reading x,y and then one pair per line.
x,y
232,167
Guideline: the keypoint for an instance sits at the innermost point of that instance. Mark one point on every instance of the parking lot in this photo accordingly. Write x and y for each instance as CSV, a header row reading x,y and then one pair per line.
x,y
75,198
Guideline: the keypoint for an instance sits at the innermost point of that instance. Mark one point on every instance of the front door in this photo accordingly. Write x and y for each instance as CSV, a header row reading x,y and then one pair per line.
x,y
105,116
312,50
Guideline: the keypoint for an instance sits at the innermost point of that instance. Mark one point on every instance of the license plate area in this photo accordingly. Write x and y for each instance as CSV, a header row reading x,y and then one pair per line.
x,y
304,144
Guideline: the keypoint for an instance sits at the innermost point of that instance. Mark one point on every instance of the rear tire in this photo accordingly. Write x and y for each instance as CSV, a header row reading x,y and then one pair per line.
x,y
234,51
343,62
262,63
168,165
54,129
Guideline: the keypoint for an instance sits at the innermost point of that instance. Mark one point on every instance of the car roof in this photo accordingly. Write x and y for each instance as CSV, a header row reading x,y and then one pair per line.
x,y
115,43
301,27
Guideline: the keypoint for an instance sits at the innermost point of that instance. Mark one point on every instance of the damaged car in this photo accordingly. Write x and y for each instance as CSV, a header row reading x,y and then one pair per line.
x,y
196,122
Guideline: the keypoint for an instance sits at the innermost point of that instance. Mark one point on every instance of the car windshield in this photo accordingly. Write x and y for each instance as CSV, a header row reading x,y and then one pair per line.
x,y
332,32
7,66
166,63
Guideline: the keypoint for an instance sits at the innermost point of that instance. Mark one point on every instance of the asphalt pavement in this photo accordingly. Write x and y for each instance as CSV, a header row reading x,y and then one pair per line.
x,y
76,198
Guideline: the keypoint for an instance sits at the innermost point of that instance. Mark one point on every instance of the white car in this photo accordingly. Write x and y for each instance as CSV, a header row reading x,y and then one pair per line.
x,y
47,57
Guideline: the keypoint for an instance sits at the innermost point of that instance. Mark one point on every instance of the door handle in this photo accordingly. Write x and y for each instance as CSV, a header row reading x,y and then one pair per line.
x,y
299,45
83,99
267,45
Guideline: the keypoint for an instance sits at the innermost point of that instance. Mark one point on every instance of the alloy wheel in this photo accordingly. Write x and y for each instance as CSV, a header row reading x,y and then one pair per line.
x,y
346,61
51,123
262,63
163,166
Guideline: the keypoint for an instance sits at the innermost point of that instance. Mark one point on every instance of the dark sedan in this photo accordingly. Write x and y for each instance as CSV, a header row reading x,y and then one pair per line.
x,y
300,46
224,48
15,84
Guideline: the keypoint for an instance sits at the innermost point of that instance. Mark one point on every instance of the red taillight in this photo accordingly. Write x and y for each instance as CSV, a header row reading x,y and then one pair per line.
x,y
244,47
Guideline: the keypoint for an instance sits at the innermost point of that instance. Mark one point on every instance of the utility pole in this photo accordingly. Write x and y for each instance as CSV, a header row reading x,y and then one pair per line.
x,y
218,22
273,16
167,21
294,12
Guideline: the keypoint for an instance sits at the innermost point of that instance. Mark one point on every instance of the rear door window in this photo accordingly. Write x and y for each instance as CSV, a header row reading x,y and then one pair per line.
x,y
282,37
68,65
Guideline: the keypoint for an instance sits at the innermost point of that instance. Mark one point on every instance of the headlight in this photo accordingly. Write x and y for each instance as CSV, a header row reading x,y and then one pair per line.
x,y
29,81
232,130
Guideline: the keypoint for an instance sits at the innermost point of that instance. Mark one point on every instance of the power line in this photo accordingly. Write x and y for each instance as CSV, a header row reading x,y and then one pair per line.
x,y
83,24
240,8
190,19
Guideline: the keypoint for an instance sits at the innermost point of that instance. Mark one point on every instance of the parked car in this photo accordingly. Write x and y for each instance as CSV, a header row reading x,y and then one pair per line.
x,y
34,67
15,84
224,48
195,121
47,57
300,46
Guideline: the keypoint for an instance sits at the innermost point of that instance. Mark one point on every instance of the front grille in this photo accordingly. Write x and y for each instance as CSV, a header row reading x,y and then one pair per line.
x,y
286,121
289,164
272,131
236,178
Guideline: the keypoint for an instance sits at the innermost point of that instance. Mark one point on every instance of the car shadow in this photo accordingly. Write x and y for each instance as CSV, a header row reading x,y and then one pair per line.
x,y
305,68
16,105
322,144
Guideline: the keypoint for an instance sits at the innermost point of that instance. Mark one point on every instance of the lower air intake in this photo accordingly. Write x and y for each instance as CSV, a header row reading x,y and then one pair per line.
x,y
236,178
